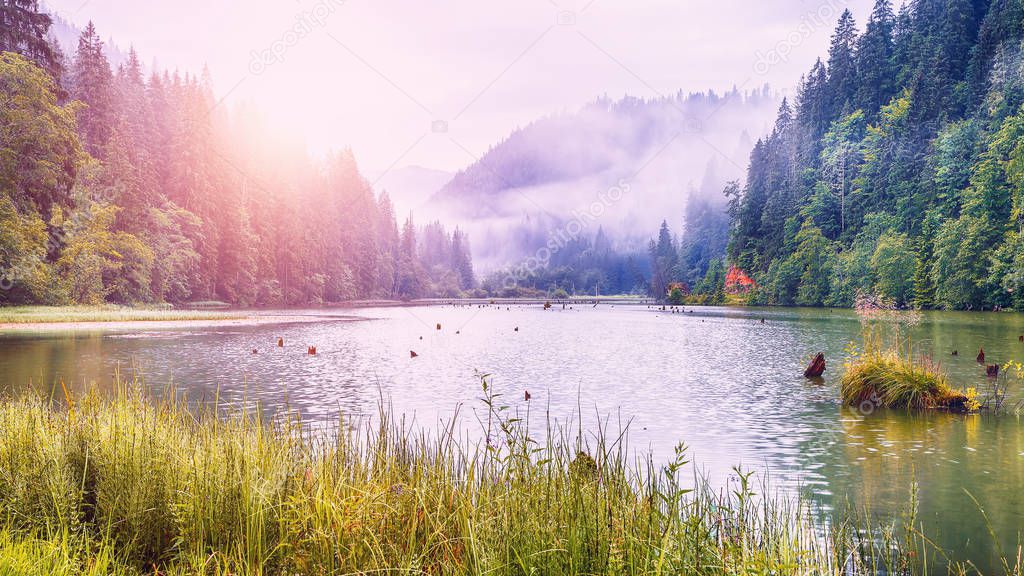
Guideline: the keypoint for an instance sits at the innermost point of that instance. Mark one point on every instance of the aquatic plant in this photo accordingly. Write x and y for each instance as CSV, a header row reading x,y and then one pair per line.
x,y
894,377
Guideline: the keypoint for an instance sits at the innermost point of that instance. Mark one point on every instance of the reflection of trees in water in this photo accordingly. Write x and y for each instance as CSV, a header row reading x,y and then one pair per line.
x,y
41,362
876,460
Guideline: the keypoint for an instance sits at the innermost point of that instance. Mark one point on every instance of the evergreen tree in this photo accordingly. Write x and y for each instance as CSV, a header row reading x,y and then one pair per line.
x,y
24,30
876,83
462,264
92,84
664,257
842,65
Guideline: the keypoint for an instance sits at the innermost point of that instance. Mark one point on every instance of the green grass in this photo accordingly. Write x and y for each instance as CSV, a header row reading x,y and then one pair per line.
x,y
108,313
131,485
892,377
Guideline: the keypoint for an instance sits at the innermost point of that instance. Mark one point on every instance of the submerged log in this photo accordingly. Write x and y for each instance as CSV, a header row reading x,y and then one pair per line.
x,y
817,366
992,371
981,356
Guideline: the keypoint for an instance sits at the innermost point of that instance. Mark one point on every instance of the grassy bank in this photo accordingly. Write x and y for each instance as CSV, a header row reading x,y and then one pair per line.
x,y
132,486
108,313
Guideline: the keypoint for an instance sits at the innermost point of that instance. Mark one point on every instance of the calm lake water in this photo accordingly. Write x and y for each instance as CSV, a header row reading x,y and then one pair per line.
x,y
728,385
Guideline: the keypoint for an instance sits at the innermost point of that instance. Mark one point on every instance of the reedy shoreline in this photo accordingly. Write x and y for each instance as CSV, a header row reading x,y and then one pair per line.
x,y
135,485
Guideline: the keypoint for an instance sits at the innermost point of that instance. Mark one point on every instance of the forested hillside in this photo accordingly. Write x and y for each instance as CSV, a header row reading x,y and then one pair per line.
x,y
660,156
898,169
141,187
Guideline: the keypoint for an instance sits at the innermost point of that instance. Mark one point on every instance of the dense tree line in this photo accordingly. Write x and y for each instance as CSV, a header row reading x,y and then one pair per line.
x,y
898,169
692,267
582,265
124,187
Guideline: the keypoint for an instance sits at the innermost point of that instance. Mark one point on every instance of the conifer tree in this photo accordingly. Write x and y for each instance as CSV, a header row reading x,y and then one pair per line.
x,y
92,84
842,64
24,30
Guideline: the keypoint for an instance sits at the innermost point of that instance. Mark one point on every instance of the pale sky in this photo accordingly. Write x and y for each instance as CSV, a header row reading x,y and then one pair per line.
x,y
386,76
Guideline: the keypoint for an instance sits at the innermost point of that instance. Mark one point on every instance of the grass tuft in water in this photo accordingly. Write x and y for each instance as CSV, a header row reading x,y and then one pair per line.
x,y
892,377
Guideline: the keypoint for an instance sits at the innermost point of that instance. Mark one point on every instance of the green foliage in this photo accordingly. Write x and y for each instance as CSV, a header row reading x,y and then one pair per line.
x,y
911,164
893,264
96,261
676,297
712,286
39,150
24,274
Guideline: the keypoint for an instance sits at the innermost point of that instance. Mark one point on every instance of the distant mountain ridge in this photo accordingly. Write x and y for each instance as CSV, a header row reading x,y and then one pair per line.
x,y
600,136
532,181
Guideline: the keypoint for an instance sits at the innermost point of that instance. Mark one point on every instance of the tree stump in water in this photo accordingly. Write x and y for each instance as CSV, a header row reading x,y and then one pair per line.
x,y
981,356
817,367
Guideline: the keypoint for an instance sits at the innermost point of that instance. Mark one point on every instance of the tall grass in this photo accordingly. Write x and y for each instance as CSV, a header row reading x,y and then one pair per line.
x,y
892,376
106,313
132,485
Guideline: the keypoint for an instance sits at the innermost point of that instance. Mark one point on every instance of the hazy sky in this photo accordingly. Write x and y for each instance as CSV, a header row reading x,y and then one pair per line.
x,y
437,83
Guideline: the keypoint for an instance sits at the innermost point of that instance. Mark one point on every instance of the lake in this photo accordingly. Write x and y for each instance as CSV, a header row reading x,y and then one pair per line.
x,y
718,379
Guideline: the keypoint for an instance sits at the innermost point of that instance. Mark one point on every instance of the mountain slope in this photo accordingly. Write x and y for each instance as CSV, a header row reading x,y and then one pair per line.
x,y
547,174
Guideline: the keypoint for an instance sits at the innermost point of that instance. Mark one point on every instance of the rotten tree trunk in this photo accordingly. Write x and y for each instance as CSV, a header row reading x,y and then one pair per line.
x,y
817,366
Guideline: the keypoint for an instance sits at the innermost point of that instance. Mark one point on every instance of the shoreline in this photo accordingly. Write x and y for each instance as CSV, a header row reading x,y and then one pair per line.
x,y
115,325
